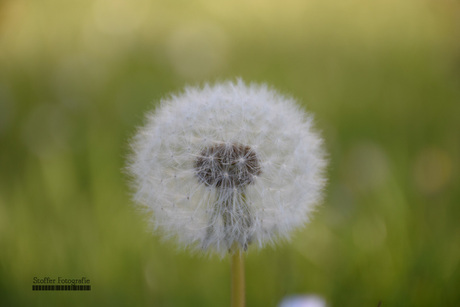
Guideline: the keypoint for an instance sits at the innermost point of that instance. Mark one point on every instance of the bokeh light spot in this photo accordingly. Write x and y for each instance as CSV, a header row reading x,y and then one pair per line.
x,y
432,170
198,50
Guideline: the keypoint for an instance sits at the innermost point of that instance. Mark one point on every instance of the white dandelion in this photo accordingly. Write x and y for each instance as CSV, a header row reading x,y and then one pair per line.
x,y
228,166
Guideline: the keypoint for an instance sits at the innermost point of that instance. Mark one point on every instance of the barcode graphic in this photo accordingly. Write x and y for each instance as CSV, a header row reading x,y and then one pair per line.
x,y
61,288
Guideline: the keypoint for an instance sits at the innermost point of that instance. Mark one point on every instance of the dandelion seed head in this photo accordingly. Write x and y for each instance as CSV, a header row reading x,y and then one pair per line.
x,y
228,165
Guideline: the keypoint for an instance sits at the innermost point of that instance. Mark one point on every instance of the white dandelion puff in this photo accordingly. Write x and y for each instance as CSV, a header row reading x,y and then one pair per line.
x,y
228,165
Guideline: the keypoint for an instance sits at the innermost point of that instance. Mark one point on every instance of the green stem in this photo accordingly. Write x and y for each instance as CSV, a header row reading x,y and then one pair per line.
x,y
238,285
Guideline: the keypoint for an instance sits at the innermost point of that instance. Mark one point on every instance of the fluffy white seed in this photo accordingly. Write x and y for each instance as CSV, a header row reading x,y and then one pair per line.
x,y
228,165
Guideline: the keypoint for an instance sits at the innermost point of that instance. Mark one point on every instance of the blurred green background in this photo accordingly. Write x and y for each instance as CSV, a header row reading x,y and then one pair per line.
x,y
381,77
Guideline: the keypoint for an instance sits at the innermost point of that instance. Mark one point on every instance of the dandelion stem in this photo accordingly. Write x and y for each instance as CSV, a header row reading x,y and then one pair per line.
x,y
238,284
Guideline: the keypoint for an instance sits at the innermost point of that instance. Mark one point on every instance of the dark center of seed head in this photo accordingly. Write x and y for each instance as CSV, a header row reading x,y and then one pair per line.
x,y
227,166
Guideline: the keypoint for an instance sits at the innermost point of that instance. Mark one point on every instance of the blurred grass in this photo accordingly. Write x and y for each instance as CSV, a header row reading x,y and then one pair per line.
x,y
382,78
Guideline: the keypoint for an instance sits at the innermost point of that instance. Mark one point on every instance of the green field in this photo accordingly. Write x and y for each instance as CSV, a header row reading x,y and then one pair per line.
x,y
381,77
